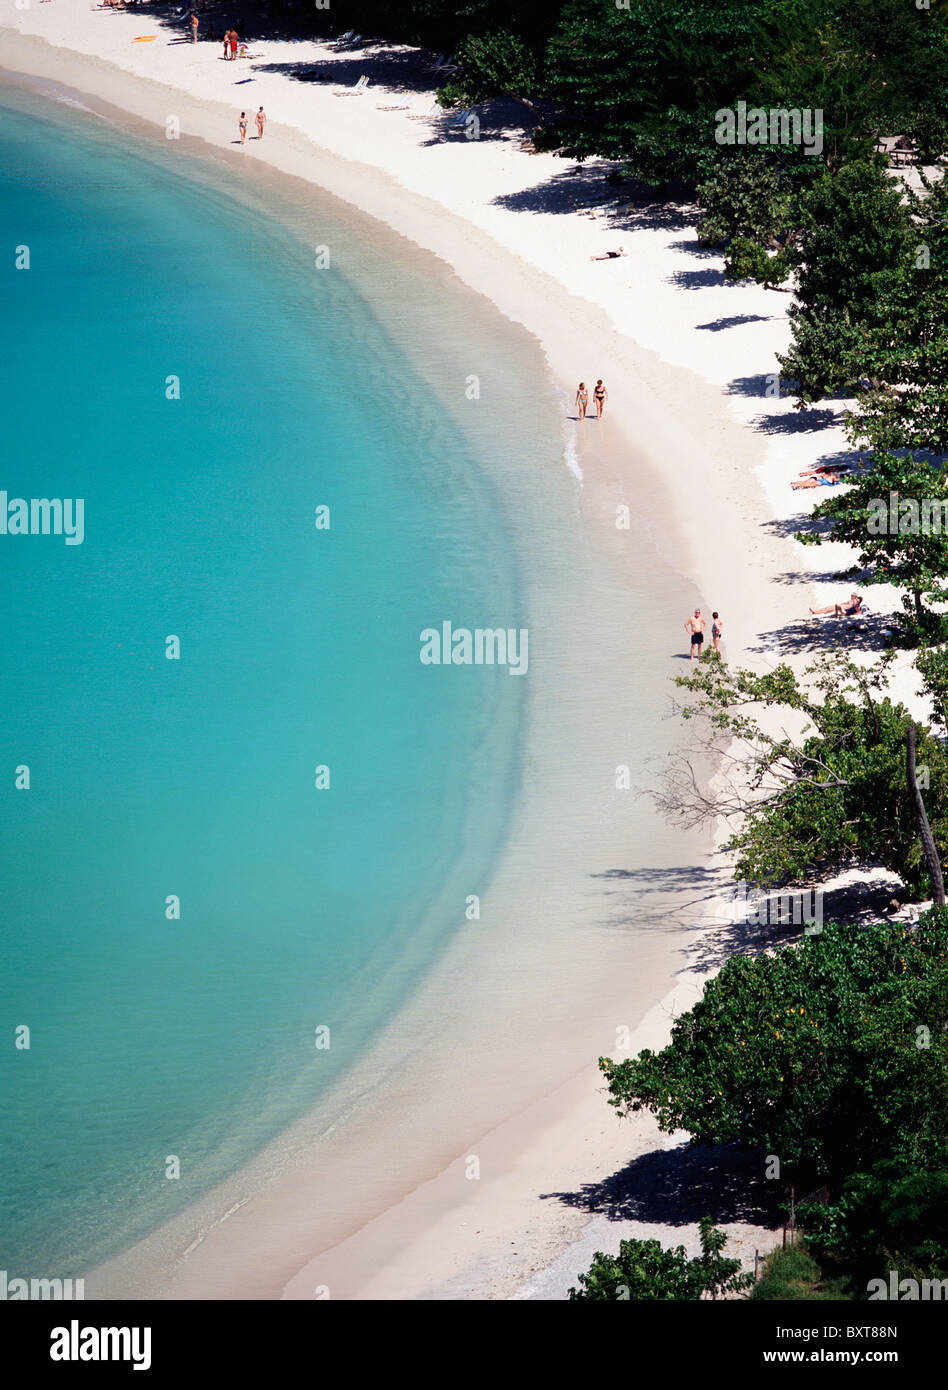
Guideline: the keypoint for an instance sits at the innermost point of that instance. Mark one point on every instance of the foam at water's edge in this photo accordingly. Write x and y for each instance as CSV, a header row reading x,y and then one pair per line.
x,y
570,452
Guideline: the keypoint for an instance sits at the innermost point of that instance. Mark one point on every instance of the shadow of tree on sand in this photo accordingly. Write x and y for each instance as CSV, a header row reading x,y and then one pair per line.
x,y
404,74
696,279
782,922
676,1187
816,633
800,422
627,206
717,325
664,900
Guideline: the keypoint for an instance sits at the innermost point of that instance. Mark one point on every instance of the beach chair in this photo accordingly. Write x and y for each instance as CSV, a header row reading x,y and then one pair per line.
x,y
459,120
426,110
361,86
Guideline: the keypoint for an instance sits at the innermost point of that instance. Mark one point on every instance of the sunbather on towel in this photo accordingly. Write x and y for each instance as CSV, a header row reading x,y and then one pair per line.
x,y
842,610
824,480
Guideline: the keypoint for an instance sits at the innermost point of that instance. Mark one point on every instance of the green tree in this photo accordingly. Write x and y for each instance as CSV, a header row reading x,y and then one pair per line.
x,y
496,64
645,1270
932,664
853,250
905,405
641,85
745,194
833,796
887,1218
750,201
811,1053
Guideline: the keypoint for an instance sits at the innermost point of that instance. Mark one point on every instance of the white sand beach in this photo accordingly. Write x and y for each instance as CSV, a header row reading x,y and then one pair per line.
x,y
692,438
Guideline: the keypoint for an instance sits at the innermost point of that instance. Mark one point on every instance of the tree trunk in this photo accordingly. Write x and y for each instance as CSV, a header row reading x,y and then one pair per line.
x,y
525,101
928,839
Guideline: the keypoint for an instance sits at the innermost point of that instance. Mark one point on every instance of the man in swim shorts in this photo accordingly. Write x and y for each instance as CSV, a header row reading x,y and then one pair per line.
x,y
695,628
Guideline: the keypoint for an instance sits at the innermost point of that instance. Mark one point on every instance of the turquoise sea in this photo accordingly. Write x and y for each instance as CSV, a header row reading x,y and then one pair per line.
x,y
194,1036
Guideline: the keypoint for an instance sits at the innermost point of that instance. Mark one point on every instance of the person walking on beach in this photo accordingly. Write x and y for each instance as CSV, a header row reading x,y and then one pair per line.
x,y
261,122
695,628
600,396
195,22
716,630
582,400
243,126
233,45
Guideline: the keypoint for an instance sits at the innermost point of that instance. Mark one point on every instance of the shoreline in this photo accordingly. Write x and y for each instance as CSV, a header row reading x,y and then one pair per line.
x,y
612,468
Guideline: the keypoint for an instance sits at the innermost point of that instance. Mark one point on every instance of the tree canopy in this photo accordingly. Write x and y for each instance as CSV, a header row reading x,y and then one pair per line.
x,y
811,1053
830,798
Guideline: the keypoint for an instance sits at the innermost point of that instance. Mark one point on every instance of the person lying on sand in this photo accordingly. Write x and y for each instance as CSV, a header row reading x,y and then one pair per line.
x,y
609,255
815,469
824,480
842,610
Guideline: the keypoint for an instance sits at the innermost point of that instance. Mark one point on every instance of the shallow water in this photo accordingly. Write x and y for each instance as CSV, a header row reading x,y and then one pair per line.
x,y
155,1036
427,424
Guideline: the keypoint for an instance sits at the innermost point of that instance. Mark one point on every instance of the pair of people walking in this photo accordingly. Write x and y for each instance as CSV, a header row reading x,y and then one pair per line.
x,y
695,628
261,119
600,396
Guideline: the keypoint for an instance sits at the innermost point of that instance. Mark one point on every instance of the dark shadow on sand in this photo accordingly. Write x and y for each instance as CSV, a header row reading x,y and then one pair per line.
x,y
637,897
628,205
815,633
800,422
696,279
717,325
677,1187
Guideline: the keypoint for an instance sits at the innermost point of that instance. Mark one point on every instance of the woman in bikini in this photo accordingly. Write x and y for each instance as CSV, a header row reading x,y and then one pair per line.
x,y
716,630
600,396
582,400
243,126
842,610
